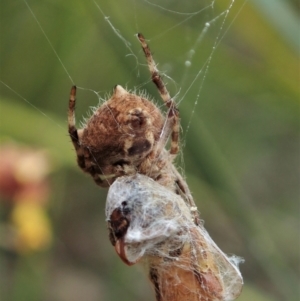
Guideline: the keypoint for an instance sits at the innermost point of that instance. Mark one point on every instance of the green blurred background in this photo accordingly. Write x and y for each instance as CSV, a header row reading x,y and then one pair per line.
x,y
240,141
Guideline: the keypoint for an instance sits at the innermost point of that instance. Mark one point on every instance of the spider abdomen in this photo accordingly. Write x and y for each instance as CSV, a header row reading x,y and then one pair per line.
x,y
123,129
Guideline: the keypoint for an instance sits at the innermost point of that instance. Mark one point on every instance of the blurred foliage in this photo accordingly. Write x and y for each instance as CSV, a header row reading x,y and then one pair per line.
x,y
240,141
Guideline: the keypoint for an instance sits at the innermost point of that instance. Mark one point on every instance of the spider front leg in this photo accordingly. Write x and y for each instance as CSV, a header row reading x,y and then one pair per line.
x,y
172,123
171,128
75,134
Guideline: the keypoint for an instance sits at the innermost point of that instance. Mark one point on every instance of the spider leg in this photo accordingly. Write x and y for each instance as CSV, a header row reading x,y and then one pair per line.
x,y
172,123
156,78
185,193
175,131
73,130
171,128
81,151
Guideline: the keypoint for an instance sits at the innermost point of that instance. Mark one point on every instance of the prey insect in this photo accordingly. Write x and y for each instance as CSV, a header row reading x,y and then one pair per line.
x,y
127,134
151,224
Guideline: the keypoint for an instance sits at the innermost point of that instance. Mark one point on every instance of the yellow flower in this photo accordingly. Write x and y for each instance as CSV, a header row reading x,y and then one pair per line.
x,y
33,230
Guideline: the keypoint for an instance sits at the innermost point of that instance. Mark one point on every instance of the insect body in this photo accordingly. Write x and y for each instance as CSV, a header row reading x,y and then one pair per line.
x,y
151,224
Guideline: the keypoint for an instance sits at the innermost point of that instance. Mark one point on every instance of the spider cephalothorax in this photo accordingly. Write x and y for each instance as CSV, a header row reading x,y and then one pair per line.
x,y
127,134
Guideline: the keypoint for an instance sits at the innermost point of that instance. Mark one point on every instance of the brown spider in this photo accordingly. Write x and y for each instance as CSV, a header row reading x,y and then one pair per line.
x,y
127,135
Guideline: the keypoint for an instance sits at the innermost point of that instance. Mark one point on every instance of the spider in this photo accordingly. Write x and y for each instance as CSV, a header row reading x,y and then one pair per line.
x,y
127,134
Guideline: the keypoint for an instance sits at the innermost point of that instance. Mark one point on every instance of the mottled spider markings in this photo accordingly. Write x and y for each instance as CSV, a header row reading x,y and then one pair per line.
x,y
127,134
153,225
